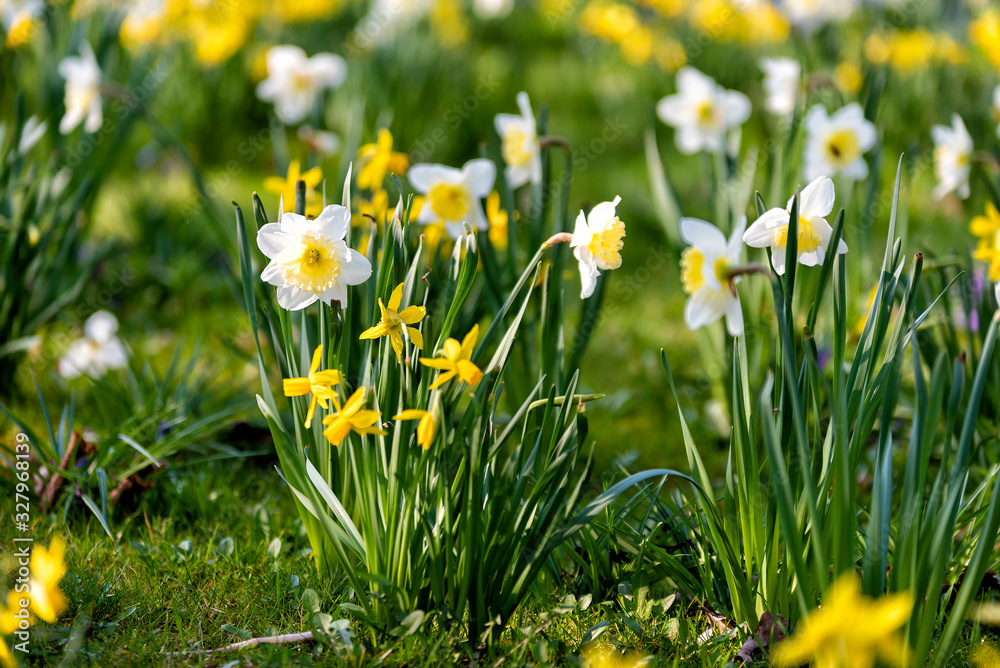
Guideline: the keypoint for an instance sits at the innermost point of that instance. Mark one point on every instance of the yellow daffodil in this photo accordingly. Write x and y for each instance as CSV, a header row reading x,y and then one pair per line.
x,y
449,23
20,19
984,32
285,186
293,11
377,159
847,77
849,630
426,428
497,218
986,657
218,30
456,361
605,657
351,417
373,210
395,323
47,569
987,228
318,383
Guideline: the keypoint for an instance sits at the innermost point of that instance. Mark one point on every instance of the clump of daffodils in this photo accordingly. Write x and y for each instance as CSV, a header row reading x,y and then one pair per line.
x,y
310,260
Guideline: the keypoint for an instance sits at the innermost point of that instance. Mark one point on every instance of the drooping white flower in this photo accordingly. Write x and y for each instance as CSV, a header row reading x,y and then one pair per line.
x,y
705,266
771,229
597,243
996,108
294,80
97,351
454,196
702,112
521,150
808,15
782,81
836,144
83,92
320,142
310,259
952,151
32,132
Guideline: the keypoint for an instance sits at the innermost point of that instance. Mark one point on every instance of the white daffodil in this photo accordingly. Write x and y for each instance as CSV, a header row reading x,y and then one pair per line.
x,y
782,81
996,108
18,18
492,9
98,350
521,151
705,267
294,80
32,132
319,142
808,15
952,151
597,243
771,229
702,112
310,259
836,144
83,91
454,195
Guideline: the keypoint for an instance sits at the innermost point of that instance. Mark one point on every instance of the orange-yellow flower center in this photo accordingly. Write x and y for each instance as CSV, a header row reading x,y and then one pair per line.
x,y
606,245
842,148
514,152
692,270
313,267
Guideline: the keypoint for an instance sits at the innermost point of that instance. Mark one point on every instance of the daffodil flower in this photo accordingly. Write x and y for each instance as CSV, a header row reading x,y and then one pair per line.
x,y
318,383
9,623
705,267
597,243
849,630
497,218
395,323
808,15
453,195
782,81
83,93
351,417
836,144
47,569
987,228
521,150
377,159
702,112
456,361
294,80
426,427
952,151
19,19
97,351
285,186
771,229
310,260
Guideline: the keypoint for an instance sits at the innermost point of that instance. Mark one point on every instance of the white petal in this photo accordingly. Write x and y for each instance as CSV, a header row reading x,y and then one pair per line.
x,y
703,235
479,176
356,270
734,315
293,299
524,105
599,216
272,238
778,260
673,110
736,107
693,83
817,198
856,171
112,355
734,249
95,116
690,139
329,69
100,327
424,176
582,235
332,222
588,277
761,233
703,308
816,120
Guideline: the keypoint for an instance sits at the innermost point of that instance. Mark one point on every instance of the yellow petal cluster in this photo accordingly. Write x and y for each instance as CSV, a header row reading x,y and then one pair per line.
x,y
318,383
395,323
285,186
456,361
987,229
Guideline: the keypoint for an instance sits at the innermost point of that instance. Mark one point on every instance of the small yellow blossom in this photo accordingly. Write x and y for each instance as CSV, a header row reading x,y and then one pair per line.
x,y
318,383
21,28
456,361
669,54
449,22
395,323
293,11
426,428
849,630
286,187
218,29
605,657
986,657
847,77
351,417
984,32
377,159
498,221
47,569
987,228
